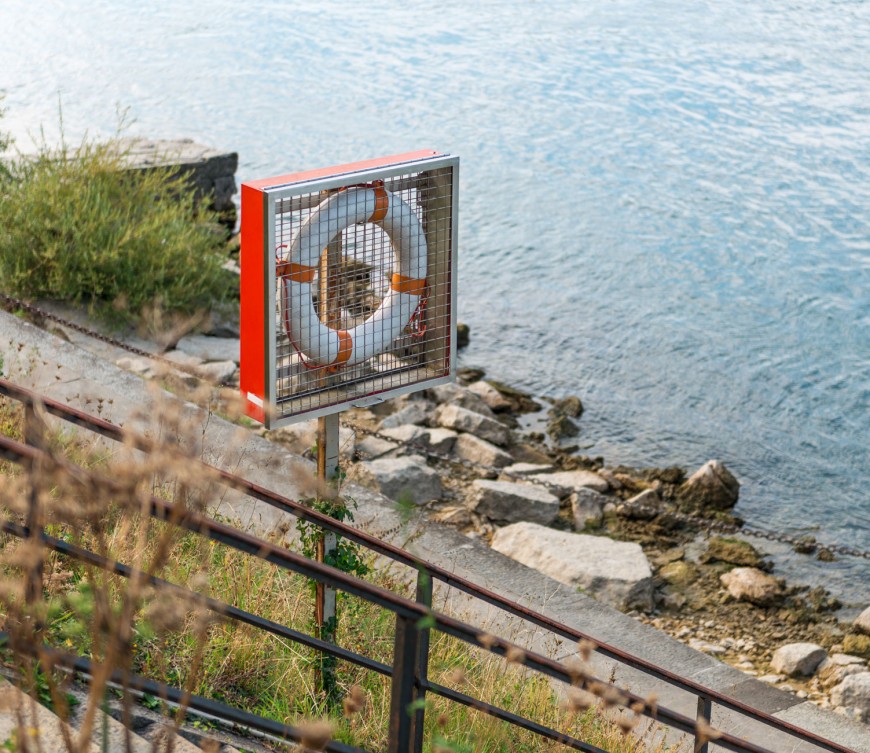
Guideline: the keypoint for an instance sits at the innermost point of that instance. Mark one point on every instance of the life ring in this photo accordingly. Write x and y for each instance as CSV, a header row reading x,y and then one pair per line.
x,y
318,344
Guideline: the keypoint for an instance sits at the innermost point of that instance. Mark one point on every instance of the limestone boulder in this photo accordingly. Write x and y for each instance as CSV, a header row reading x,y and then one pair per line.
x,y
402,478
837,667
854,694
797,659
752,585
455,417
491,396
435,440
479,452
564,483
862,621
417,412
217,371
510,502
587,507
711,487
615,572
464,397
210,348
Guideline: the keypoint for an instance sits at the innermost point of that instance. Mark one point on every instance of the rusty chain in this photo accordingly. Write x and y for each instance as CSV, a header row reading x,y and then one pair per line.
x,y
715,526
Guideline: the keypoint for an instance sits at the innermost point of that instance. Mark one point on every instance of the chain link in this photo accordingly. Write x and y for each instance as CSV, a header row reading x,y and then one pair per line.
x,y
36,311
420,447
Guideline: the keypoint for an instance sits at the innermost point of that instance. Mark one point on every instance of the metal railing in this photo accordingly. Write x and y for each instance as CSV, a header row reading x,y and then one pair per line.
x,y
413,618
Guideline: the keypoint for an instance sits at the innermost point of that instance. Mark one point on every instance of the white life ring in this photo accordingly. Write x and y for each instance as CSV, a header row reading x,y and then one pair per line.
x,y
318,344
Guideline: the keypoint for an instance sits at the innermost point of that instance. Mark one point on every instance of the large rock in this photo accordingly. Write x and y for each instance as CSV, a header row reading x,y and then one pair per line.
x,y
464,397
478,451
435,440
461,419
564,483
616,572
854,693
490,395
509,502
796,659
587,507
711,487
752,585
837,667
210,348
417,412
403,478
862,621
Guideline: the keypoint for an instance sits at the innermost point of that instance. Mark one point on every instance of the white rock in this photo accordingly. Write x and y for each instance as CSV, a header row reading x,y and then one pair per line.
x,y
752,585
210,348
139,366
564,483
854,693
509,502
478,451
400,478
369,448
587,507
772,679
455,394
796,659
461,419
525,469
708,648
862,621
417,412
712,486
490,395
183,359
615,572
217,371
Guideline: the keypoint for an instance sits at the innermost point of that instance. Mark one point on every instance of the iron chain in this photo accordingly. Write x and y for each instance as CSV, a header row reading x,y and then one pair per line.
x,y
422,448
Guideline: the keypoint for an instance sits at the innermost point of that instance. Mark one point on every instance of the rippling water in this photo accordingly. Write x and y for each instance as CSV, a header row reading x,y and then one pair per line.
x,y
665,208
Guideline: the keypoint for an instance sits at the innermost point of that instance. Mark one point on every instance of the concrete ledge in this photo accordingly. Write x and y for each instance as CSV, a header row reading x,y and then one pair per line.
x,y
74,376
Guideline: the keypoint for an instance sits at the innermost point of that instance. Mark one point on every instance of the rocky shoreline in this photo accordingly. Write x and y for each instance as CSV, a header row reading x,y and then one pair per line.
x,y
640,539
635,538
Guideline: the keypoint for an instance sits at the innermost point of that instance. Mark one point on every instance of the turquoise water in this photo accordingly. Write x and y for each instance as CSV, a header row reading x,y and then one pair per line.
x,y
665,207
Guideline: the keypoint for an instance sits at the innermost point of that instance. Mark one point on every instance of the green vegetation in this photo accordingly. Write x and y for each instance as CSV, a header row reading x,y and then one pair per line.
x,y
127,624
75,226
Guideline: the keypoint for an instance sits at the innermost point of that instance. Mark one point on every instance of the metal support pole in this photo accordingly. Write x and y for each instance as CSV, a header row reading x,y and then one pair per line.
x,y
33,520
424,596
405,652
325,615
705,712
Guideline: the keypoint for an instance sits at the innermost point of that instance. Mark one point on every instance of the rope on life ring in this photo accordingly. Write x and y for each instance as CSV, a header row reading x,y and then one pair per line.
x,y
318,344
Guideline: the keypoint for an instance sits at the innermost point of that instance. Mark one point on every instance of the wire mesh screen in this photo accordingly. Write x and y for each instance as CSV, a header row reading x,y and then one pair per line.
x,y
363,289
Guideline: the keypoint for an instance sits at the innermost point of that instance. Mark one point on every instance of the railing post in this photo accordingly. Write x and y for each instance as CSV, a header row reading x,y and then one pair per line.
x,y
424,597
325,613
405,652
33,520
705,712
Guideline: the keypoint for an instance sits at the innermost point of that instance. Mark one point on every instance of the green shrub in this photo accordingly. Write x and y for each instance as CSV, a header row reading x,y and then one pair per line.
x,y
75,226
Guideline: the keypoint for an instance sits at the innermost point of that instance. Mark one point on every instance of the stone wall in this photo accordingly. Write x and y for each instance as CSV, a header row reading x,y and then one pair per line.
x,y
212,172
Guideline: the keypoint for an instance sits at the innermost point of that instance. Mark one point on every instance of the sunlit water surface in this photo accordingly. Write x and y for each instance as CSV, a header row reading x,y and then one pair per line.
x,y
664,206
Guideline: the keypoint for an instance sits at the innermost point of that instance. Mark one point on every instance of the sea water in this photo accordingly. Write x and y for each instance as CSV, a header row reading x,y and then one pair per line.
x,y
664,207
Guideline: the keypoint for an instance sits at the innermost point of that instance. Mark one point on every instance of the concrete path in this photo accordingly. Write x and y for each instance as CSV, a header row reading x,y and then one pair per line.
x,y
72,375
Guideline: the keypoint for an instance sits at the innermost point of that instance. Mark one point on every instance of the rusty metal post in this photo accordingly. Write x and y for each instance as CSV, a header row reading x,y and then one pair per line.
x,y
33,520
705,712
402,715
325,615
424,596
